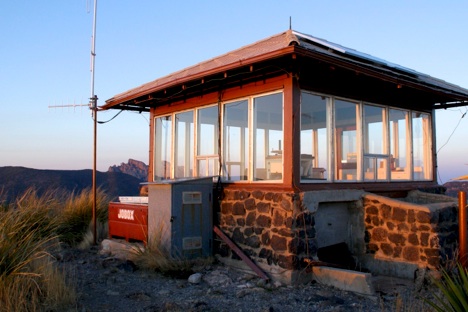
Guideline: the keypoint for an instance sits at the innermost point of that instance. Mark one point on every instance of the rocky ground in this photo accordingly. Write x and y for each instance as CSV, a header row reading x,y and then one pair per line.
x,y
104,283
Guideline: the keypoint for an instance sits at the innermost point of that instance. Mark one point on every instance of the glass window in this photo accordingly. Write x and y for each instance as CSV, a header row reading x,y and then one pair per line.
x,y
375,149
399,143
267,137
375,167
367,142
314,137
346,114
207,141
374,141
422,146
236,141
341,140
162,148
183,153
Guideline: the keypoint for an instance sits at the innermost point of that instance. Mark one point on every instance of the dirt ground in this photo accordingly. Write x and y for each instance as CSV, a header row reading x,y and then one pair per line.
x,y
104,283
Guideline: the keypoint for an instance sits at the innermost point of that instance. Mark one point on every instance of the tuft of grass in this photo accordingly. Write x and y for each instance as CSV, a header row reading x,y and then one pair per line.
x,y
76,216
102,231
58,290
31,227
29,280
453,288
156,257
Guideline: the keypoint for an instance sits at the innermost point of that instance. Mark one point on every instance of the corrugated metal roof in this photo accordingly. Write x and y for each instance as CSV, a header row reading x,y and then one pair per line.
x,y
274,46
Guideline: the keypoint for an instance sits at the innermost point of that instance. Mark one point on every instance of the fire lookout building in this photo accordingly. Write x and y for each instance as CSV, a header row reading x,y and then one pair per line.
x,y
315,144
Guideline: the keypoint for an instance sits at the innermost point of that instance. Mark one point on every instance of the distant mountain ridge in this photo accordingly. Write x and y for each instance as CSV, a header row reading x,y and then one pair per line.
x,y
122,180
454,186
134,168
14,181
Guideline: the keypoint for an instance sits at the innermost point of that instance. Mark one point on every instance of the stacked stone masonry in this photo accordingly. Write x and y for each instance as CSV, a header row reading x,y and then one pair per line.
x,y
268,226
424,234
276,229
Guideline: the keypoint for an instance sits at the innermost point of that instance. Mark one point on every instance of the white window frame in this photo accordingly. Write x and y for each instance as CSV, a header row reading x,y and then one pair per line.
x,y
206,157
360,137
250,123
196,157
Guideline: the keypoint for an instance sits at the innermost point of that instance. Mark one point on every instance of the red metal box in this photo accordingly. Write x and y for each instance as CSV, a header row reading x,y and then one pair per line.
x,y
129,221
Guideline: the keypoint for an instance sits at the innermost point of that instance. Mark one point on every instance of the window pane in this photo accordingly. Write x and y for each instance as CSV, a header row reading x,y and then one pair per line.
x,y
314,137
183,154
236,146
375,168
207,137
346,141
208,167
268,137
399,144
374,130
422,160
162,148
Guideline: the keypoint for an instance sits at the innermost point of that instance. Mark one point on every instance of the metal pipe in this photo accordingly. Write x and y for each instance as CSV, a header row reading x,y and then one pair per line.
x,y
94,170
462,231
94,109
240,253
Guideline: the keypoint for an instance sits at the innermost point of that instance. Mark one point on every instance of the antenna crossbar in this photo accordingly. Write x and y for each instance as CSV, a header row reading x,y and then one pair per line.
x,y
68,105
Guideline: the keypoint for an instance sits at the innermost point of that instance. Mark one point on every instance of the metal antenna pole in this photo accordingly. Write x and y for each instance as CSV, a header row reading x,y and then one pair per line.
x,y
94,109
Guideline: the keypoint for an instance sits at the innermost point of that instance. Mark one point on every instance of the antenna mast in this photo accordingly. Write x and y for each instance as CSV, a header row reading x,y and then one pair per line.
x,y
93,54
94,109
93,106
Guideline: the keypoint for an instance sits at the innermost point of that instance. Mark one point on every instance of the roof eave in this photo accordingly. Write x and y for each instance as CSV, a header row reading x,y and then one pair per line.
x,y
452,97
129,96
459,99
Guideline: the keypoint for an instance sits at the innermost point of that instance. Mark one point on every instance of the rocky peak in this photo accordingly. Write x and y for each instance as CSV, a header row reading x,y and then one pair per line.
x,y
134,168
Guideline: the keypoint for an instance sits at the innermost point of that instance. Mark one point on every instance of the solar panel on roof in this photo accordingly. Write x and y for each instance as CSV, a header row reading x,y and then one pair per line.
x,y
355,53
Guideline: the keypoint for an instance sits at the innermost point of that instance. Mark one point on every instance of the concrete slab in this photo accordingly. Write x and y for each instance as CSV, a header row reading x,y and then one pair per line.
x,y
348,280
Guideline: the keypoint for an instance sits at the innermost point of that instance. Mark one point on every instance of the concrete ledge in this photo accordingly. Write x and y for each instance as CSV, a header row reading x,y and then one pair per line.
x,y
354,281
416,200
312,199
388,267
357,282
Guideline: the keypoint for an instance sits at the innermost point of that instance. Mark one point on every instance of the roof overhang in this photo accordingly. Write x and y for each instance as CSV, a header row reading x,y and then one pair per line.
x,y
167,89
277,55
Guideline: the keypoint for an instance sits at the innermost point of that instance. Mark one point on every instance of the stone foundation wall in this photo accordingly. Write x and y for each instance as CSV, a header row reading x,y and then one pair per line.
x,y
270,227
424,234
393,237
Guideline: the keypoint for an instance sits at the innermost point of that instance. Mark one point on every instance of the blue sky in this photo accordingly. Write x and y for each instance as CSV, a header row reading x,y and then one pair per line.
x,y
45,60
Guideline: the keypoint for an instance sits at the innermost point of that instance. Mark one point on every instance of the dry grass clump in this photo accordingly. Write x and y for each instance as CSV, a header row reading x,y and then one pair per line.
x,y
31,228
38,286
76,215
156,257
29,281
